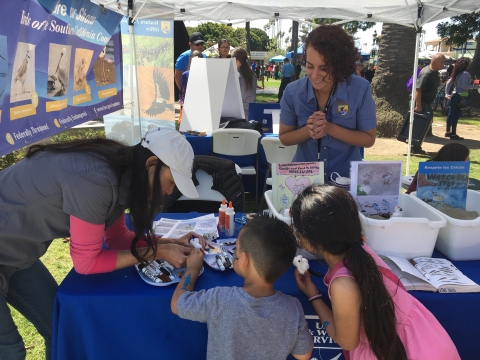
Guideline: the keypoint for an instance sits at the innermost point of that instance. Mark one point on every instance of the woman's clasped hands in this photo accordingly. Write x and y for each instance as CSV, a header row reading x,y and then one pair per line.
x,y
317,125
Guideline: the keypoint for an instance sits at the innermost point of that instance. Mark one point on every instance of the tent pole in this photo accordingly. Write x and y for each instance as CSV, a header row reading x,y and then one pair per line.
x,y
294,47
412,102
132,41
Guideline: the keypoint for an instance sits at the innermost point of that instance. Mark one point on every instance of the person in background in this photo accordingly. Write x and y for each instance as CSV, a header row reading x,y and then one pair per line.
x,y
184,80
350,119
449,152
196,43
287,75
370,73
224,49
247,78
254,321
298,70
365,294
276,70
81,189
359,70
458,85
426,91
254,66
262,76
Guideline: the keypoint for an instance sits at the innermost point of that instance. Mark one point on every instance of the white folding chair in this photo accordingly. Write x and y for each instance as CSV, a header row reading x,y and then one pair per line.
x,y
238,142
275,152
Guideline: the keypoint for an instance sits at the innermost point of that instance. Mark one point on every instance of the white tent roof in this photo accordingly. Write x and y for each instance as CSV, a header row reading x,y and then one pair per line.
x,y
403,12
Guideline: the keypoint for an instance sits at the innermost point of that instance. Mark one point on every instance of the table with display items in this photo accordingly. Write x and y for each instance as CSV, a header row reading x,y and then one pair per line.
x,y
118,316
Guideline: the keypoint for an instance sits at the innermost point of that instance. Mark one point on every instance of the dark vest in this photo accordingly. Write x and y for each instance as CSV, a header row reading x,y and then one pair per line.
x,y
225,180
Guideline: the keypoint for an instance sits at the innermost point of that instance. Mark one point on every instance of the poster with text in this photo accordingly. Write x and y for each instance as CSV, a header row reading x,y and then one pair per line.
x,y
58,69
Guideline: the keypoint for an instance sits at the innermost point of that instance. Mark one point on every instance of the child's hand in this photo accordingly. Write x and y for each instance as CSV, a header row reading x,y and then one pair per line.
x,y
304,283
195,260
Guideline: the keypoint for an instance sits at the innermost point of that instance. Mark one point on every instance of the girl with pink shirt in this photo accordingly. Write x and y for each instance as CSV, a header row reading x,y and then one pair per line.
x,y
372,316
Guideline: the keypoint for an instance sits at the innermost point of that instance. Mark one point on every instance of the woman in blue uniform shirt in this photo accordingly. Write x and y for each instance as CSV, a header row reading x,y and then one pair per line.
x,y
336,138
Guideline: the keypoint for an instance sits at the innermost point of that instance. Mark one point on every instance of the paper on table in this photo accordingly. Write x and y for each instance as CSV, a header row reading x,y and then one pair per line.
x,y
171,228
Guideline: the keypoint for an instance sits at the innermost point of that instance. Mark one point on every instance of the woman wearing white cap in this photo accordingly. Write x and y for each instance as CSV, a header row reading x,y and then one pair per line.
x,y
80,190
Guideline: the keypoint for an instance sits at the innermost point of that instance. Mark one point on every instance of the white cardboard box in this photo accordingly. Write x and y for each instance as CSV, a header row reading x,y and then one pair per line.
x,y
459,240
414,234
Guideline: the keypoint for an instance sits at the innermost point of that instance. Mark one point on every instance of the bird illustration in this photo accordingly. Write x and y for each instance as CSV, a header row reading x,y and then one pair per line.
x,y
381,208
22,71
386,177
436,197
80,77
365,178
62,74
162,95
101,58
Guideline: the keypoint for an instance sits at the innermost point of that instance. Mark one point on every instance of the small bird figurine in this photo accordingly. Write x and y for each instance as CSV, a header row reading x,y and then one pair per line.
x,y
380,207
195,243
301,264
397,212
22,71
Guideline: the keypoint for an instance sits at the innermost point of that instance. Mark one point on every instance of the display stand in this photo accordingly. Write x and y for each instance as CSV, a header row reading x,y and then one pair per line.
x,y
213,92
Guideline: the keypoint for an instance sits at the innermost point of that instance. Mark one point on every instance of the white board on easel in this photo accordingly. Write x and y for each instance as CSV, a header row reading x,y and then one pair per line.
x,y
213,91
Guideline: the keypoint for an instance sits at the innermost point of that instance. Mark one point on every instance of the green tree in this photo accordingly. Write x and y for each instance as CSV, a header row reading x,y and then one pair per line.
x,y
239,37
258,40
212,32
459,30
395,67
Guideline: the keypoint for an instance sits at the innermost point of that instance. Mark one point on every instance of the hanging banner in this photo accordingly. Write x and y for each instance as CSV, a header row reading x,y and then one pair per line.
x,y
57,69
149,98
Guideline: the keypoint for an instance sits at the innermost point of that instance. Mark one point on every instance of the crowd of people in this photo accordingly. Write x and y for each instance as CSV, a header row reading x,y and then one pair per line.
x,y
331,115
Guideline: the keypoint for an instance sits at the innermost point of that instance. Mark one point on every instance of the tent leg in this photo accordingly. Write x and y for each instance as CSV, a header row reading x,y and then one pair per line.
x,y
412,103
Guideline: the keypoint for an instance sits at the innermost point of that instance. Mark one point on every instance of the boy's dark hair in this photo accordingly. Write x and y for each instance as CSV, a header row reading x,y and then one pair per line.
x,y
271,245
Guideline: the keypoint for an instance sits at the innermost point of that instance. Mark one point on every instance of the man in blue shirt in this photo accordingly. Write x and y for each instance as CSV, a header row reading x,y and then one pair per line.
x,y
287,74
196,42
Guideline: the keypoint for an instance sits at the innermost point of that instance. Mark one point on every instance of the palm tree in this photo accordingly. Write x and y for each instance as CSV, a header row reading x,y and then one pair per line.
x,y
395,66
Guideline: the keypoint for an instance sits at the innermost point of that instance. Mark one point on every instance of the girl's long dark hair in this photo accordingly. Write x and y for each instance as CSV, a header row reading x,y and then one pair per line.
x,y
241,55
129,161
459,67
327,218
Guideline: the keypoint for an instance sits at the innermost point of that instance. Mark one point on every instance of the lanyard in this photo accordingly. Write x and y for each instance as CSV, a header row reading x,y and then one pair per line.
x,y
327,105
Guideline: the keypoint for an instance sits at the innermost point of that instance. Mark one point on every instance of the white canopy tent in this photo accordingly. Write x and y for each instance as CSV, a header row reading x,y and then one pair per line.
x,y
410,13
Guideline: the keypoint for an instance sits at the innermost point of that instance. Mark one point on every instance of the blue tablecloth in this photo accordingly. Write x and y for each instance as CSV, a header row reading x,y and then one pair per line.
x,y
118,316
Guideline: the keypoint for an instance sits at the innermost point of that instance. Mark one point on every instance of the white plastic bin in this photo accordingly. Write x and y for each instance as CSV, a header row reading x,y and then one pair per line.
x,y
459,240
268,199
413,234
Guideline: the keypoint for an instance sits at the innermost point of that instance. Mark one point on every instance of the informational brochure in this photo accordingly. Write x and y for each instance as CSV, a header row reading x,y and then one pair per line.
x,y
443,184
203,225
375,186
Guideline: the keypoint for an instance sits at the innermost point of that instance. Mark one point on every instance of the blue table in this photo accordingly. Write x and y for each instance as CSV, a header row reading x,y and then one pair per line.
x,y
118,316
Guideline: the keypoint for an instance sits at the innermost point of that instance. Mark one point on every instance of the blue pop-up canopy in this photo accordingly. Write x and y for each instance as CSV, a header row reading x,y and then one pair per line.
x,y
299,52
278,58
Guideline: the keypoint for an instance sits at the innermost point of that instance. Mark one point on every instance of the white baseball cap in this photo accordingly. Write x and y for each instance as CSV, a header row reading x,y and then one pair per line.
x,y
176,152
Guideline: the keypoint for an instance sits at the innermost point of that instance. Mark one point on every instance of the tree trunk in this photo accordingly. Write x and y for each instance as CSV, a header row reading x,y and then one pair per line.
x,y
474,70
395,66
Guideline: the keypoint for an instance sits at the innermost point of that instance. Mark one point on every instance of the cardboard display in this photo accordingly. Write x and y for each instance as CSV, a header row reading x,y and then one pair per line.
x,y
213,92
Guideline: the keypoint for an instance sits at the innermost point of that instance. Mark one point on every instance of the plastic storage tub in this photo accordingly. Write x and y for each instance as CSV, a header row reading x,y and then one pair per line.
x,y
459,240
273,211
413,234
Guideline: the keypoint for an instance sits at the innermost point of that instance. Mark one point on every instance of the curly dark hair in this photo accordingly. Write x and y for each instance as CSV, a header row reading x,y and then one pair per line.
x,y
460,66
337,48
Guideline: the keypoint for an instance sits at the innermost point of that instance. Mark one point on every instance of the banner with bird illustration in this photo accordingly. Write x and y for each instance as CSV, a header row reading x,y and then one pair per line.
x,y
60,66
147,83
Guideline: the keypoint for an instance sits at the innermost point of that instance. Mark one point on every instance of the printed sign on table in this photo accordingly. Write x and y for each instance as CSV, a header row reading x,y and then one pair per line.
x,y
443,184
57,70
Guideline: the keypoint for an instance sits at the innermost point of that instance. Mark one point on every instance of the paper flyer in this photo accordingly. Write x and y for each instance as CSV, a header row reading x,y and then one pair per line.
x,y
203,225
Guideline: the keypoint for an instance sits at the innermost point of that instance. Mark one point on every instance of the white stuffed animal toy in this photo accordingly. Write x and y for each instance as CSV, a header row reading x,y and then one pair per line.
x,y
195,243
301,264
